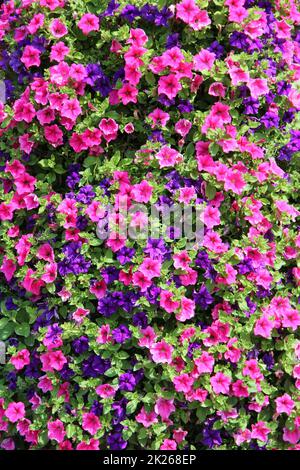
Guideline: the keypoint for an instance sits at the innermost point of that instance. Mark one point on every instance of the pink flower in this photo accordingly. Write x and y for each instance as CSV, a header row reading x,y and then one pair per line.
x,y
71,109
167,303
179,435
148,337
220,383
291,319
139,279
161,352
8,444
168,444
31,57
36,23
204,60
169,85
128,94
56,430
45,384
260,431
167,157
58,29
183,383
150,268
146,419
137,36
186,10
80,314
159,117
164,408
91,423
132,74
109,129
187,309
234,181
282,29
25,183
239,389
88,23
217,89
210,216
183,127
263,327
15,411
98,289
6,211
51,361
93,444
291,436
45,252
105,391
24,111
190,13
142,191
26,144
204,363
20,359
251,369
59,51
53,135
181,260
8,267
258,87
284,404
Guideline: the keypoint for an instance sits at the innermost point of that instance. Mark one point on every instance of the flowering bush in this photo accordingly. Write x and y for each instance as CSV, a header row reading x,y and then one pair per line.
x,y
156,342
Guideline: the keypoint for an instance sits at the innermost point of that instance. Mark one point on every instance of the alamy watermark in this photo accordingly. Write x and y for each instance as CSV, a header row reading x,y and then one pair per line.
x,y
2,352
2,92
142,221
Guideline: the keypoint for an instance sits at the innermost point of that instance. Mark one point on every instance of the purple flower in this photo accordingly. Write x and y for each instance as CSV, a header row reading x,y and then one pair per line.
x,y
130,12
156,248
121,334
203,298
94,366
172,40
140,319
115,441
125,255
81,344
127,382
86,194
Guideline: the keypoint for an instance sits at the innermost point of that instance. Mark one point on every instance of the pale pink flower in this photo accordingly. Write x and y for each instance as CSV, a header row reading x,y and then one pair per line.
x,y
258,87
168,444
142,191
56,430
91,423
284,404
204,60
15,411
169,85
161,352
20,359
164,408
58,29
260,431
31,57
220,383
146,419
88,23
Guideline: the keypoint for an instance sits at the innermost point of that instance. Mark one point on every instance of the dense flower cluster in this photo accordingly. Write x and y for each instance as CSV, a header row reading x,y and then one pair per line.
x,y
150,341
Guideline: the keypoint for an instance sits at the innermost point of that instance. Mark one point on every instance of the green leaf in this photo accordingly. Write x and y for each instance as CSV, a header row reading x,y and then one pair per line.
x,y
6,331
22,330
210,191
